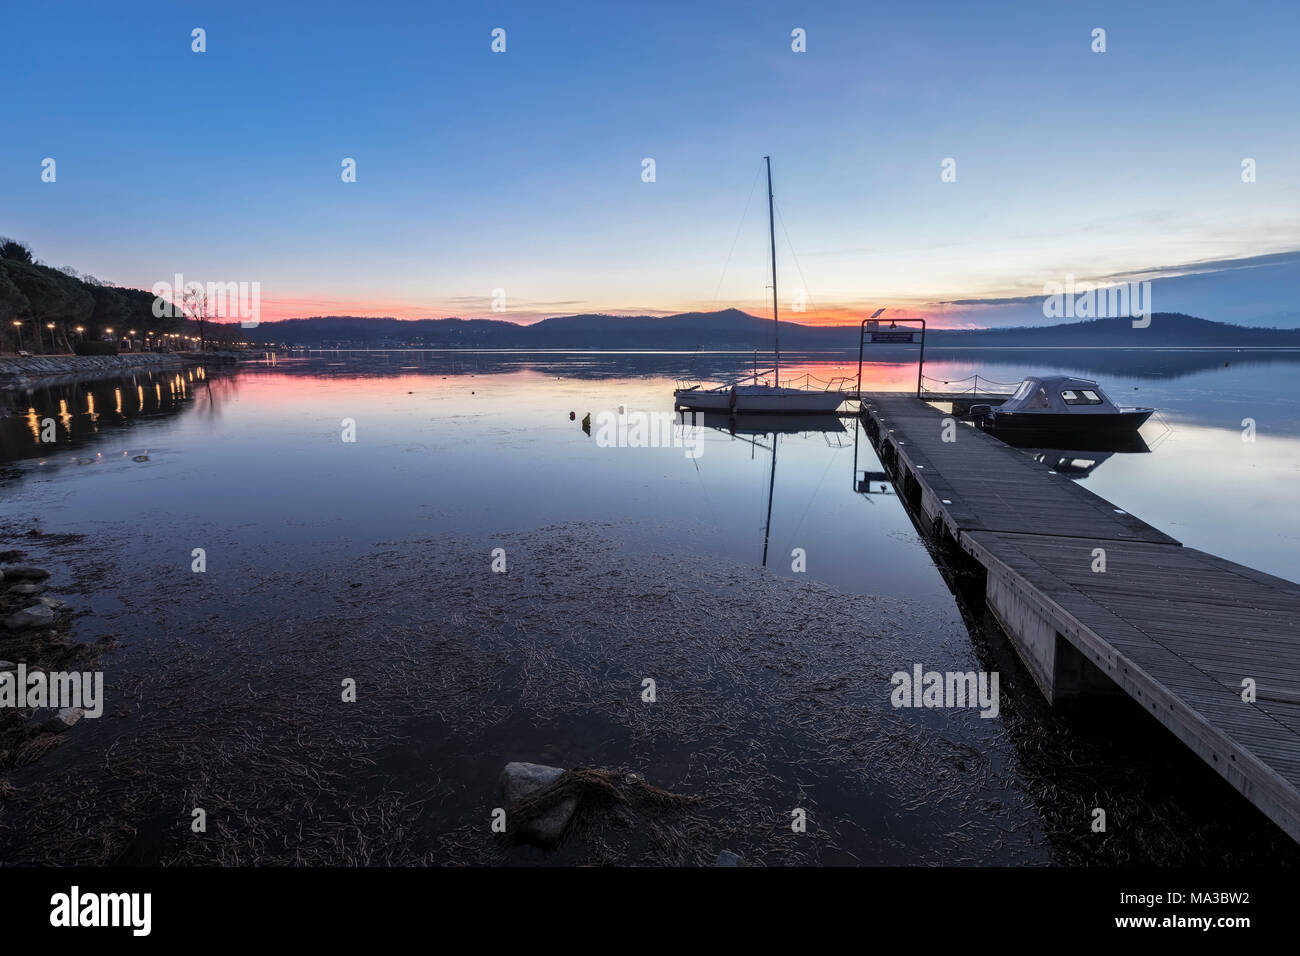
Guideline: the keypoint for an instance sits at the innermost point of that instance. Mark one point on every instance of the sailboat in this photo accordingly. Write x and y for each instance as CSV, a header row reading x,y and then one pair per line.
x,y
750,396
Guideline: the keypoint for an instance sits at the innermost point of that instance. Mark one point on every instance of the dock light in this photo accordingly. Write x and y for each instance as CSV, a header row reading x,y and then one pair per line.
x,y
19,327
53,344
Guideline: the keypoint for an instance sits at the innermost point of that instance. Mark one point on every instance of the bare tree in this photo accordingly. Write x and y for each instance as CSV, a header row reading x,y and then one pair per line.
x,y
194,303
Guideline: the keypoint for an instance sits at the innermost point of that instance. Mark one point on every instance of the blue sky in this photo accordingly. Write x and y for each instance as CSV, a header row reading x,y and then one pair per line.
x,y
522,170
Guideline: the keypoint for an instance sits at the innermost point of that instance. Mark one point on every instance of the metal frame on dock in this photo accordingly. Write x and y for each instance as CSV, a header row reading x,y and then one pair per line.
x,y
893,323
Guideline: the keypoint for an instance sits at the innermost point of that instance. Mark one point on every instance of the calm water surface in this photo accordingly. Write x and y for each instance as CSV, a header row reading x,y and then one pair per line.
x,y
458,454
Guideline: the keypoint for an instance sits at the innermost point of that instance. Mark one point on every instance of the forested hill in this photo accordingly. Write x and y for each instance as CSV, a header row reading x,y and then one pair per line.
x,y
733,329
42,308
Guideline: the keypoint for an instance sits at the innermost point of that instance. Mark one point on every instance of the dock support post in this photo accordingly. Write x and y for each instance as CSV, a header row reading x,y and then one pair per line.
x,y
1060,670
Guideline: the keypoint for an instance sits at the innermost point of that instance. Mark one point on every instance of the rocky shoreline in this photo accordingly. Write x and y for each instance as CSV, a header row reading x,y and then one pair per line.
x,y
18,372
35,638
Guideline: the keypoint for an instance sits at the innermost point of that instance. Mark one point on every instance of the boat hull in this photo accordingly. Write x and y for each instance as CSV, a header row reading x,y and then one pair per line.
x,y
1127,420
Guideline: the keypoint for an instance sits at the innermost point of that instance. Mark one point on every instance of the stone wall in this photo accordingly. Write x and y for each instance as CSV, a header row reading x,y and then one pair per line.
x,y
20,372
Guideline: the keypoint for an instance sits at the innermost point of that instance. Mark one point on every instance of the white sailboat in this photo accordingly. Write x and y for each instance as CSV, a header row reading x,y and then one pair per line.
x,y
751,396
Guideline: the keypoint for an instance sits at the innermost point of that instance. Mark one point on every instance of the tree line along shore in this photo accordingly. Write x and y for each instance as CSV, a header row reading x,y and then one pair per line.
x,y
52,311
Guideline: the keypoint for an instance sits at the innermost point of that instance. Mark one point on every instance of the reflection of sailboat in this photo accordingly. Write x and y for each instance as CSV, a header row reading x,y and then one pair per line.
x,y
770,424
751,428
760,397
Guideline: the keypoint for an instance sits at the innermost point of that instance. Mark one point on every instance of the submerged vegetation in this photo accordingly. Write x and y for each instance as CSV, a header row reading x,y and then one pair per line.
x,y
772,697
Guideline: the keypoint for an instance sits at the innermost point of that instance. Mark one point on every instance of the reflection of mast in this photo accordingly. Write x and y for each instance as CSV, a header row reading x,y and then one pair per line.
x,y
741,427
771,484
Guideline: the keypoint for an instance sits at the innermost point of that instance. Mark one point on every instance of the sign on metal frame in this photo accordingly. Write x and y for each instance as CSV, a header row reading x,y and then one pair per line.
x,y
891,335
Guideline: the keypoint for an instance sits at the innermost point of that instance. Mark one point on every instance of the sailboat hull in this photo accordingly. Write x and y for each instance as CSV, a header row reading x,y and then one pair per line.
x,y
759,400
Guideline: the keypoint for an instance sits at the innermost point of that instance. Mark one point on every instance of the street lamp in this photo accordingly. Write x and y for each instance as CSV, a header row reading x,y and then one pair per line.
x,y
53,344
19,327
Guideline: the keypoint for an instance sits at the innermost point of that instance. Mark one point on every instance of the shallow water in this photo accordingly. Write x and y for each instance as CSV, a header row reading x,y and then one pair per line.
x,y
327,558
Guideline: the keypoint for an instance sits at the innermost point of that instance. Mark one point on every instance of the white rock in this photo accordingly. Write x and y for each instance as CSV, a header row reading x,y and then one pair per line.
x,y
522,780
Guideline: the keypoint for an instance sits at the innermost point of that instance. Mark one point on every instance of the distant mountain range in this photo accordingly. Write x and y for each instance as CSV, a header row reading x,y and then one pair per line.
x,y
733,329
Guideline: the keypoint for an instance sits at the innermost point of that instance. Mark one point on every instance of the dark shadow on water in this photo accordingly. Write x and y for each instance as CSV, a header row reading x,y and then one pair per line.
x,y
1075,456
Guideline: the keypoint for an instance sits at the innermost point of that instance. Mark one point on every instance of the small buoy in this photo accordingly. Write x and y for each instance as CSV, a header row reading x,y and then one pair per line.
x,y
1225,364
622,410
471,392
573,416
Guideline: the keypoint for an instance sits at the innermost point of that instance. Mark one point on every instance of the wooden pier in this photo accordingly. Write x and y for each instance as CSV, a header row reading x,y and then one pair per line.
x,y
1182,632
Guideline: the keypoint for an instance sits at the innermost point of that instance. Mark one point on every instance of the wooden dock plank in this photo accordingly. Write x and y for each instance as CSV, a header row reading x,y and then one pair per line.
x,y
1176,628
1001,488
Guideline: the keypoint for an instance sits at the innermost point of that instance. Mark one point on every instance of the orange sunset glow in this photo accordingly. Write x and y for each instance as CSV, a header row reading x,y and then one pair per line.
x,y
276,308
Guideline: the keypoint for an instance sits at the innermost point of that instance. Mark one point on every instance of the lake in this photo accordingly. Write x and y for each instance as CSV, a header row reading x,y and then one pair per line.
x,y
500,584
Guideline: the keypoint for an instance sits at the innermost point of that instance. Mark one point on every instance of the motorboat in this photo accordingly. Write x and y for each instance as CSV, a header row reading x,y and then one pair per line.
x,y
1061,405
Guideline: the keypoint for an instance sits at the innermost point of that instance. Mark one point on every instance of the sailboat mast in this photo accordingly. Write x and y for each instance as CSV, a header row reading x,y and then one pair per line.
x,y
771,229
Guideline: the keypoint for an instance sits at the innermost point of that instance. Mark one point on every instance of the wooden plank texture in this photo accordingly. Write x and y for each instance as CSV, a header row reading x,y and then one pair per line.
x,y
1178,629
